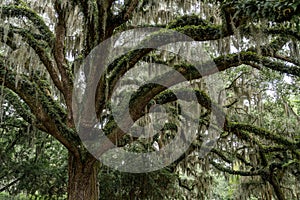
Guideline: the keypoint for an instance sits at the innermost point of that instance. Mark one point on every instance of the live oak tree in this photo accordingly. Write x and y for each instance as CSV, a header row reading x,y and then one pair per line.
x,y
43,43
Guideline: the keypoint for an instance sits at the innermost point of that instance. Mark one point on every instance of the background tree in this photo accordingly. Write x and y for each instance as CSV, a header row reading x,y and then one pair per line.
x,y
43,43
31,163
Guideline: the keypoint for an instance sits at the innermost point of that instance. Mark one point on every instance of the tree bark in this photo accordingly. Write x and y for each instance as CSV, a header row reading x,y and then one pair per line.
x,y
82,182
276,187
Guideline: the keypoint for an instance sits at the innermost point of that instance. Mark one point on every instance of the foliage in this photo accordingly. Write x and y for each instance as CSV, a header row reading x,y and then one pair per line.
x,y
255,47
30,162
153,185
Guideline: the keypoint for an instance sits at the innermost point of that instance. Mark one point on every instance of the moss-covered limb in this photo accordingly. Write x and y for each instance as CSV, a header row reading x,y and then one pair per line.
x,y
203,33
271,149
283,32
237,172
187,20
20,107
21,11
156,59
273,65
238,127
88,9
255,10
294,61
10,40
115,71
143,97
126,27
232,60
221,155
36,88
42,53
138,110
244,136
103,16
187,95
97,18
251,57
271,48
46,111
59,41
202,30
265,173
124,63
231,157
149,91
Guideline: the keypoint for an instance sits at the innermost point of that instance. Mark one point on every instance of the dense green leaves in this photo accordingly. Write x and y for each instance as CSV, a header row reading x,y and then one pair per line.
x,y
32,162
255,47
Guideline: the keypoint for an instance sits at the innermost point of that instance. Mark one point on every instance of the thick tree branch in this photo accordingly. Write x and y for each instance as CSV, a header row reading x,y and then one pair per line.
x,y
237,127
147,92
204,33
39,49
46,111
123,64
21,11
283,32
237,172
20,107
59,55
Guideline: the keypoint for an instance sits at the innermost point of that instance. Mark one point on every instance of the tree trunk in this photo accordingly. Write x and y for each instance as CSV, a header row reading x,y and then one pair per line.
x,y
276,187
82,183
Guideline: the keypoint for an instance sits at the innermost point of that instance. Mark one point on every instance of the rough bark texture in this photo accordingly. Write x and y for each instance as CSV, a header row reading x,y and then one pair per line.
x,y
276,187
82,183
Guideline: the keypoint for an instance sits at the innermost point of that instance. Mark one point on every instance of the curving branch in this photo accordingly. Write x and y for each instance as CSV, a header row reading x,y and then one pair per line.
x,y
40,50
283,32
199,33
147,92
237,172
277,138
204,33
20,107
123,64
43,107
22,11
